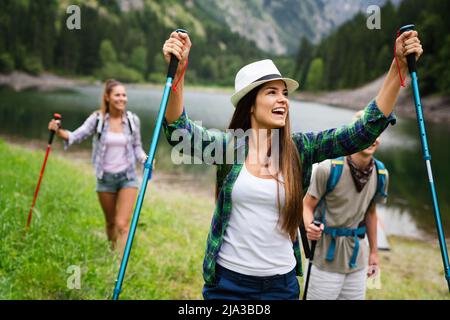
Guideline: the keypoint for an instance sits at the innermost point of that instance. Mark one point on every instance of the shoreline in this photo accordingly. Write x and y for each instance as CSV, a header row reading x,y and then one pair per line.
x,y
20,81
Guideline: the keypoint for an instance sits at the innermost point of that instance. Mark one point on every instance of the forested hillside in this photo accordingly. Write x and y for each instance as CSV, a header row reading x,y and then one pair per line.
x,y
116,43
123,39
355,55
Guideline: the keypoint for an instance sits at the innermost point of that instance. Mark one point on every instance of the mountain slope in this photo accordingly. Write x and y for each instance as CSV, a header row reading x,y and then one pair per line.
x,y
277,26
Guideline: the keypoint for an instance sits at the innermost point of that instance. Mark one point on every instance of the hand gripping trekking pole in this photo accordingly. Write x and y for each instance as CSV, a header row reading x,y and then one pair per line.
x,y
311,257
56,116
147,172
411,59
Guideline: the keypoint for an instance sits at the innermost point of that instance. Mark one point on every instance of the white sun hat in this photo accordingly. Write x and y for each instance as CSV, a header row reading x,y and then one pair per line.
x,y
255,74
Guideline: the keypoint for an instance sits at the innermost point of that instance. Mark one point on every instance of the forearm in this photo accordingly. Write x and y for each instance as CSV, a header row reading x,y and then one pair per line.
x,y
371,225
175,103
63,134
348,139
387,96
308,210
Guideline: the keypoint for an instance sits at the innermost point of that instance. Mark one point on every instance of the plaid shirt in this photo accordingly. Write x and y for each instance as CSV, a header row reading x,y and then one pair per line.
x,y
134,151
312,147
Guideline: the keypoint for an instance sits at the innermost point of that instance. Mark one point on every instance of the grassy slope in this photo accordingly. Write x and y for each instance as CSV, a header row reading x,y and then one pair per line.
x,y
166,260
68,229
411,270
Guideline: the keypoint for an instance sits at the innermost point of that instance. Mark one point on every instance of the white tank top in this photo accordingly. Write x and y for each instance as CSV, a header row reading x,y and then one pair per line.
x,y
254,243
115,153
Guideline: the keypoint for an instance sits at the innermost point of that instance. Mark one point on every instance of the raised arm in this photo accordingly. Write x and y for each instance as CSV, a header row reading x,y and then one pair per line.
x,y
348,139
189,137
362,133
178,45
407,43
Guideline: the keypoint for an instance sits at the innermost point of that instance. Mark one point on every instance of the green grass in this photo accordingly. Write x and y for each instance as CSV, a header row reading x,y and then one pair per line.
x,y
411,270
166,261
68,229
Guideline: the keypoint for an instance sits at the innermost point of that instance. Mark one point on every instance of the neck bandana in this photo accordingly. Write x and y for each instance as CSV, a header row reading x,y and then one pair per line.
x,y
360,176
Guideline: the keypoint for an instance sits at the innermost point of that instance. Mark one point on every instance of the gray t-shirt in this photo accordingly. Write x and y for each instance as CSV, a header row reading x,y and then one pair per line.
x,y
346,208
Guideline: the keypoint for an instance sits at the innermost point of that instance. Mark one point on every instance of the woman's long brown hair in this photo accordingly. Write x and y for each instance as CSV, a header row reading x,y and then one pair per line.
x,y
290,167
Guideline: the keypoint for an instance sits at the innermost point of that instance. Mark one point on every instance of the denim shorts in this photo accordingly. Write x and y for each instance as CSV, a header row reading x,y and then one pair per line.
x,y
113,182
231,285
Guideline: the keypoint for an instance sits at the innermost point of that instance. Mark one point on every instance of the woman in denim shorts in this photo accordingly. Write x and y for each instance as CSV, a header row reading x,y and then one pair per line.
x,y
117,147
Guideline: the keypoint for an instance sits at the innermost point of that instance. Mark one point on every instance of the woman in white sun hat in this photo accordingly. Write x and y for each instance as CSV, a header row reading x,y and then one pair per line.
x,y
252,249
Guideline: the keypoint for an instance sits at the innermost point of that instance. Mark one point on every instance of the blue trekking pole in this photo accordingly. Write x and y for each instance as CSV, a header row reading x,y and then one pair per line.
x,y
147,172
411,59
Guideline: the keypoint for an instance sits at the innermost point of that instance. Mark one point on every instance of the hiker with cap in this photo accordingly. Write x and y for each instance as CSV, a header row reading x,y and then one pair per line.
x,y
117,148
252,249
343,195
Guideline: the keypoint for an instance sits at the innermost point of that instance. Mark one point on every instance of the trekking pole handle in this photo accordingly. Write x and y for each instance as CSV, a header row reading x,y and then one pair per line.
x,y
317,223
57,117
173,65
410,58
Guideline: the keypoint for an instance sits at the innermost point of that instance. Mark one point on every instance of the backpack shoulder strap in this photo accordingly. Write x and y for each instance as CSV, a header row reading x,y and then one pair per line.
x,y
381,178
337,166
99,124
131,122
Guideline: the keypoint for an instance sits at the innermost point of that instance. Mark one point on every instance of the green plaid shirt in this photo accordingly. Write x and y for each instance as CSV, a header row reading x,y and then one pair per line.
x,y
312,147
